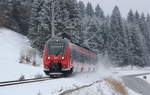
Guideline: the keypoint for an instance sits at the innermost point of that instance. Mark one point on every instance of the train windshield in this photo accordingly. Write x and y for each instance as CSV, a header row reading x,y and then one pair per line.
x,y
56,48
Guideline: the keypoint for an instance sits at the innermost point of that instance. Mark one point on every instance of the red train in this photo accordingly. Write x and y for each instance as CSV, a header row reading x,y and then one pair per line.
x,y
63,57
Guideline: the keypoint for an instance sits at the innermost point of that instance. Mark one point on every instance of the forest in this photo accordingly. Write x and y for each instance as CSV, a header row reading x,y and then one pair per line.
x,y
126,40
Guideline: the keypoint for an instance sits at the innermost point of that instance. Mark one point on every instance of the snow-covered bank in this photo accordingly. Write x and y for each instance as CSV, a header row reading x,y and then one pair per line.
x,y
11,44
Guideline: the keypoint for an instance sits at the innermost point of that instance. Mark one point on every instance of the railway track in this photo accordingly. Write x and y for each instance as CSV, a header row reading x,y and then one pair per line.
x,y
17,82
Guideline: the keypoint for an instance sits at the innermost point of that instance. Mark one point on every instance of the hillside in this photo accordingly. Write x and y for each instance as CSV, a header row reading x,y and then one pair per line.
x,y
11,44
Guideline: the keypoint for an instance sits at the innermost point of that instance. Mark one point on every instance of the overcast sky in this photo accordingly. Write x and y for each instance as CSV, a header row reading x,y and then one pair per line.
x,y
124,5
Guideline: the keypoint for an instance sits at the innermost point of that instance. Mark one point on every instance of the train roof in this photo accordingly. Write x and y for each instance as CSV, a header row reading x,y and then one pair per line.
x,y
57,40
82,50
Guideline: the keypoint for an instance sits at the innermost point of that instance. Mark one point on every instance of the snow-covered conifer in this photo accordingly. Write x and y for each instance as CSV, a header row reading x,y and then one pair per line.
x,y
117,44
99,12
89,10
35,18
135,49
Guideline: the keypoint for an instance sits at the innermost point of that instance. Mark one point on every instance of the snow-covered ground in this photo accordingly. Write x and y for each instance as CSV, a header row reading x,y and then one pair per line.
x,y
12,43
128,70
145,78
57,86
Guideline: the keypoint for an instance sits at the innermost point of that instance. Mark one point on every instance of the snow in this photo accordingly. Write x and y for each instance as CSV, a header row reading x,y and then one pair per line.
x,y
95,89
11,44
132,92
45,88
128,70
57,86
10,69
147,79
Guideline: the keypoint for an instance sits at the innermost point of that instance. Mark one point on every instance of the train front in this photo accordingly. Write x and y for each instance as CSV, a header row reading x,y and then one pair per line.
x,y
56,56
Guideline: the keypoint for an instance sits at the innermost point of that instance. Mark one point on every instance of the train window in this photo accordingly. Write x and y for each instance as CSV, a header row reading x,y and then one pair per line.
x,y
82,58
79,58
87,60
56,48
74,54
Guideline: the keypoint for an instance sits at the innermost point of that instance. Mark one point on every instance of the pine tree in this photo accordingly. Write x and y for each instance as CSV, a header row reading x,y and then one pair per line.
x,y
6,16
21,14
102,26
146,37
90,36
81,8
82,15
73,27
94,29
35,18
106,34
148,22
89,10
99,12
130,17
38,30
102,39
135,50
148,27
148,19
137,17
117,44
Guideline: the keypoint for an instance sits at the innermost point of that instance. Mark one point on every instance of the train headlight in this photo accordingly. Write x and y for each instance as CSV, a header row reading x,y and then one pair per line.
x,y
62,57
49,57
